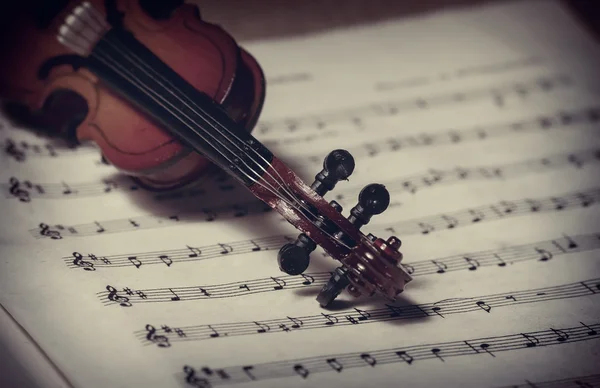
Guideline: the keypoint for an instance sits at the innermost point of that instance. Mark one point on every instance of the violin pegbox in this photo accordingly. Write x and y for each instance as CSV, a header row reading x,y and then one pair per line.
x,y
372,265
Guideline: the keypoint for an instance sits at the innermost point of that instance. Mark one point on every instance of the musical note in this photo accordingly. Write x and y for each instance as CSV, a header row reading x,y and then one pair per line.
x,y
544,254
262,327
175,297
451,221
473,264
591,331
426,225
409,354
165,259
66,189
296,323
195,251
301,370
561,335
484,306
384,313
100,228
427,228
280,283
134,260
214,333
225,249
532,341
331,319
405,357
486,348
441,267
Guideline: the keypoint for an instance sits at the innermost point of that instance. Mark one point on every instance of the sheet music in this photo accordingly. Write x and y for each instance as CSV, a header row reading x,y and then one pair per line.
x,y
484,126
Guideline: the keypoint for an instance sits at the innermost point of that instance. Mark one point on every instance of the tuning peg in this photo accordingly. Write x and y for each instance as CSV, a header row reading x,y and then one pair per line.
x,y
373,199
337,166
334,286
294,258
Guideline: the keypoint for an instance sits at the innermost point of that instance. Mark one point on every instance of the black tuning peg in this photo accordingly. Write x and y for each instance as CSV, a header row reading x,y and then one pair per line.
x,y
373,199
294,258
334,287
337,166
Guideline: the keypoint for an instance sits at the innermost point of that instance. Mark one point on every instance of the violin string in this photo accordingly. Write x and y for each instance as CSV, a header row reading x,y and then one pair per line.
x,y
95,14
97,27
282,185
268,188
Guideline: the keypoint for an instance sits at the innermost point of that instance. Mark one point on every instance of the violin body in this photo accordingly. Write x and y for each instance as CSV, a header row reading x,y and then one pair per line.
x,y
70,99
164,95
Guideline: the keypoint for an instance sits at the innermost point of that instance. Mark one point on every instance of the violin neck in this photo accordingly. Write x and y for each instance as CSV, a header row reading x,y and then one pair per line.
x,y
194,118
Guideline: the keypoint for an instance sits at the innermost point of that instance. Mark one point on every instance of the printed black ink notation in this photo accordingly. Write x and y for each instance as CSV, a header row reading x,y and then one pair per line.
x,y
494,212
441,309
97,228
90,262
577,119
591,381
409,355
289,78
433,177
426,225
355,116
539,250
20,150
492,68
543,251
126,297
67,191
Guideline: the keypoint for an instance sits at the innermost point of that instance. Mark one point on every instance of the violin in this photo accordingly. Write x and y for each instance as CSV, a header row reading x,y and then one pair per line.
x,y
165,95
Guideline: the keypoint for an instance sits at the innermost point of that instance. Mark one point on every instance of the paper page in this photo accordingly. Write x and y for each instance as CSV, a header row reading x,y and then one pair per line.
x,y
483,125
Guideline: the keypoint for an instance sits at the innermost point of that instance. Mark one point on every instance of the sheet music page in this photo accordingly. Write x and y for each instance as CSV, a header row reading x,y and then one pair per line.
x,y
483,124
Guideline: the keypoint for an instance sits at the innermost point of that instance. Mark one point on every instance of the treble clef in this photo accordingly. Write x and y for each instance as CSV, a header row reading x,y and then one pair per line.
x,y
160,340
78,261
113,296
193,380
17,191
45,231
12,150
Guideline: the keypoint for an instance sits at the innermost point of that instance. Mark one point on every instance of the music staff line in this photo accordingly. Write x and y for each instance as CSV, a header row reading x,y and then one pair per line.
x,y
575,119
20,150
472,261
425,225
169,257
461,73
589,381
26,190
206,376
164,335
497,95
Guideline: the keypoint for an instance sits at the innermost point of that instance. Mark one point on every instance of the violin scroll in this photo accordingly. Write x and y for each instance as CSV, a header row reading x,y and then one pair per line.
x,y
372,265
